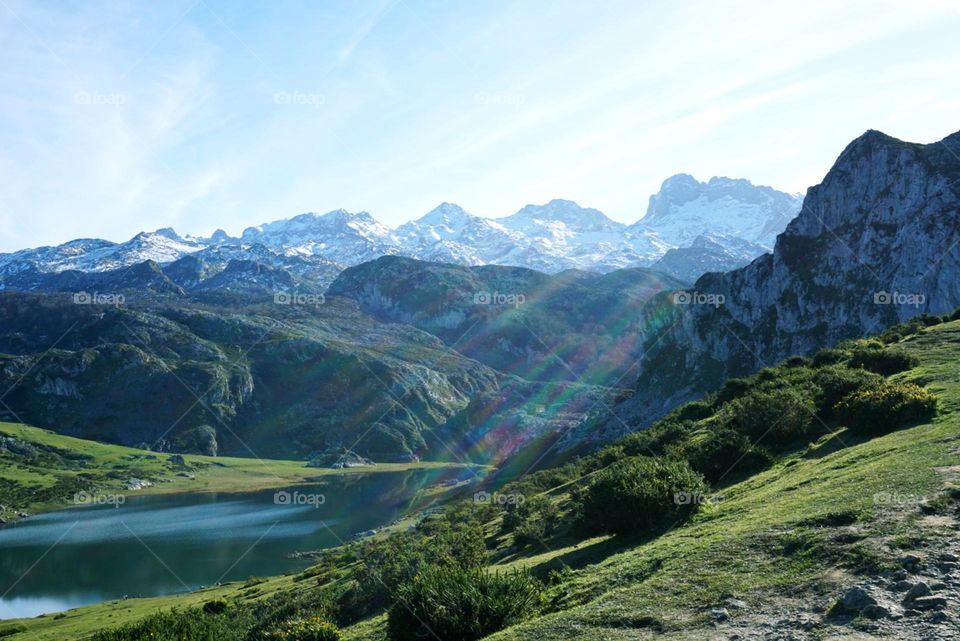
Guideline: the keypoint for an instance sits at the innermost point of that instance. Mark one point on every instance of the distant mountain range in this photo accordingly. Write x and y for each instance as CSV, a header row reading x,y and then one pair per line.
x,y
690,228
432,356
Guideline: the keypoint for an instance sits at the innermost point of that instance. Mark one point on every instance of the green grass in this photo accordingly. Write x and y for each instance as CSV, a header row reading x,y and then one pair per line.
x,y
771,535
68,465
801,530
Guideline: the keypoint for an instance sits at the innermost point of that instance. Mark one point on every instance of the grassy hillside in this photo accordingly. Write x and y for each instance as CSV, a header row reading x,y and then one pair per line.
x,y
41,470
767,556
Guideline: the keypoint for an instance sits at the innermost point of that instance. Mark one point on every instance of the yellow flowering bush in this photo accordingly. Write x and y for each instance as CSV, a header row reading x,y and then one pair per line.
x,y
882,408
310,629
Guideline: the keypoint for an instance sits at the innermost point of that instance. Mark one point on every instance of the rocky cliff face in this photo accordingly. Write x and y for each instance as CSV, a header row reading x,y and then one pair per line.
x,y
876,243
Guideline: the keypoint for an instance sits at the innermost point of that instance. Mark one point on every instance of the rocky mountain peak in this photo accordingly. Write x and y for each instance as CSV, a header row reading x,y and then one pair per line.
x,y
875,244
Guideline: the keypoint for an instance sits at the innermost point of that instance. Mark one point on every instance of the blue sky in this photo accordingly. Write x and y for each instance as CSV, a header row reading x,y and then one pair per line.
x,y
198,114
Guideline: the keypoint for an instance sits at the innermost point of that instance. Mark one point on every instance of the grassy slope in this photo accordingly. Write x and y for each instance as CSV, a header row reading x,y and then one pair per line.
x,y
769,540
770,536
110,466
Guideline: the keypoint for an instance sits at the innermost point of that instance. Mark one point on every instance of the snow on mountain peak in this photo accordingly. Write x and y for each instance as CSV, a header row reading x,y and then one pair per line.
x,y
723,218
686,208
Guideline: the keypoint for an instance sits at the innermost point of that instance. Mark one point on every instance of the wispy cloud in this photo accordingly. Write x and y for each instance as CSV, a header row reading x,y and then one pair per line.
x,y
120,117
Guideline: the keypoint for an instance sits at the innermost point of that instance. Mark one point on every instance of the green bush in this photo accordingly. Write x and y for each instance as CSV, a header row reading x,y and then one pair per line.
x,y
462,603
10,630
835,383
177,625
694,411
827,356
797,361
531,520
638,495
724,451
215,606
733,388
884,362
883,408
308,629
773,418
387,565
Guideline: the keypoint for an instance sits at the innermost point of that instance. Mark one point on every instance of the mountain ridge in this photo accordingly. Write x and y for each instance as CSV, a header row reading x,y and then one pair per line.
x,y
875,244
552,237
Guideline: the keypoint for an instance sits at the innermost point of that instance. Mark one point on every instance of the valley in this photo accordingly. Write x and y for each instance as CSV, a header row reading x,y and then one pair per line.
x,y
557,453
405,320
768,551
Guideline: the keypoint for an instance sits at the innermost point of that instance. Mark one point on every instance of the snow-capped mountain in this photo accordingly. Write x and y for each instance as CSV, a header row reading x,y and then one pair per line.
x,y
691,227
450,234
96,255
686,208
339,235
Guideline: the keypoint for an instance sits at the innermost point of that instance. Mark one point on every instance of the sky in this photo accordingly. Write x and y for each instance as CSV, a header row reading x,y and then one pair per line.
x,y
118,117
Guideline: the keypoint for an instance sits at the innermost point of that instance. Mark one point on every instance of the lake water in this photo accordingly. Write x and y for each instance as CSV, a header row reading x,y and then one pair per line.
x,y
154,545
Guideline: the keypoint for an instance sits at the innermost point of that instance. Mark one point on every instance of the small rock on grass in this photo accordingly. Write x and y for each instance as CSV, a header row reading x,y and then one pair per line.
x,y
856,599
719,614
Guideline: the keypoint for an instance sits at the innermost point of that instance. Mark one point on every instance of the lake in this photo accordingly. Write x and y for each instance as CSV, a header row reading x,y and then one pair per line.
x,y
153,545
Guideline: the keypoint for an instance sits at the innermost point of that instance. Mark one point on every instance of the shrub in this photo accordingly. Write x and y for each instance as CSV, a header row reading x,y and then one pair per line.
x,y
733,388
797,361
531,520
215,606
310,629
694,411
776,417
882,361
385,566
722,451
835,383
462,603
827,356
883,408
177,625
637,495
